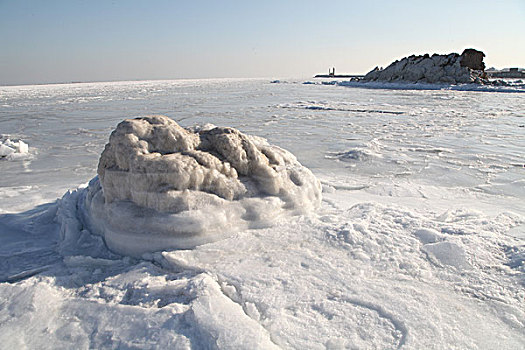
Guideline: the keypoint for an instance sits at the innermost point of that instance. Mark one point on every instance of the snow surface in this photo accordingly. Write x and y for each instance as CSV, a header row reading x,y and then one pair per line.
x,y
419,242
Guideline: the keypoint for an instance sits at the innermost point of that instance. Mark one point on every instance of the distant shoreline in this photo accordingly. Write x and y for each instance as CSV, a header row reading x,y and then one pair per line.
x,y
339,76
127,81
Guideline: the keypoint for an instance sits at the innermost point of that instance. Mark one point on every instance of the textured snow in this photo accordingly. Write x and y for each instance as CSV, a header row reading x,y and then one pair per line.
x,y
419,241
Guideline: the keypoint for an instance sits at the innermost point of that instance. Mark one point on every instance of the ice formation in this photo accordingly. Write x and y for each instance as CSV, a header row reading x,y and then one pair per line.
x,y
161,186
450,69
13,150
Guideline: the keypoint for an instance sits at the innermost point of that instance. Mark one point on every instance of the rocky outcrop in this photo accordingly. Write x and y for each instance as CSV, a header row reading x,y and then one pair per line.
x,y
472,59
449,69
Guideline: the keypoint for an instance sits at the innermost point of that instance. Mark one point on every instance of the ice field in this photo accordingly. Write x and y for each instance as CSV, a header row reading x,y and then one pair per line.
x,y
419,242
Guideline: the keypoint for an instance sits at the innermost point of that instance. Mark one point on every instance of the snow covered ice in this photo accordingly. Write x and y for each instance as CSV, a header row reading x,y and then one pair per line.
x,y
418,242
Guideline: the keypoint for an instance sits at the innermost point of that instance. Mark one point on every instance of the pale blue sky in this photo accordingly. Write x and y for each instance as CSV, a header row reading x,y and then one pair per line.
x,y
60,41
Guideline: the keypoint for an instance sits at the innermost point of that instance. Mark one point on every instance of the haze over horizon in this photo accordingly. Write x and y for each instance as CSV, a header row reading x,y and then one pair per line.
x,y
64,41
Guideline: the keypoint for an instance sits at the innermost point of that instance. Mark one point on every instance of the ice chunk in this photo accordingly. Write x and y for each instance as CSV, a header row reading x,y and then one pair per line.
x,y
5,150
161,186
221,322
428,235
13,150
22,147
447,253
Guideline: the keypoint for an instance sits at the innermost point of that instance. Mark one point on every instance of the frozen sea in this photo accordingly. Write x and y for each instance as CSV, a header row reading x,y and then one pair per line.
x,y
419,242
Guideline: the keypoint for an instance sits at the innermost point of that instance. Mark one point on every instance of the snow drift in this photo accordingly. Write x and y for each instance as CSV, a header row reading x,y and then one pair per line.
x,y
448,69
161,186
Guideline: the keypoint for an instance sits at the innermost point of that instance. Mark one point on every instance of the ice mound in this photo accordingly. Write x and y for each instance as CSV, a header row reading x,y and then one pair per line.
x,y
13,150
357,154
449,69
161,186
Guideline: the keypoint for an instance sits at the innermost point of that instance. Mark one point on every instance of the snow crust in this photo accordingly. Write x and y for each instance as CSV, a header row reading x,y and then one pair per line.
x,y
13,150
160,186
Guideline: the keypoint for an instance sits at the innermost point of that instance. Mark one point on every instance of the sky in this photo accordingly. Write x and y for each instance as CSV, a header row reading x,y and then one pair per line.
x,y
63,41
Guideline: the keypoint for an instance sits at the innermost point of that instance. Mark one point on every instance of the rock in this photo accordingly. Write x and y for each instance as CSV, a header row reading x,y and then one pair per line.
x,y
472,59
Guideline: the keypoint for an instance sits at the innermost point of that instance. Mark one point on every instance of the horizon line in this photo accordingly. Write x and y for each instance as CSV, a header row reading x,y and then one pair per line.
x,y
127,80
